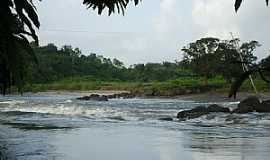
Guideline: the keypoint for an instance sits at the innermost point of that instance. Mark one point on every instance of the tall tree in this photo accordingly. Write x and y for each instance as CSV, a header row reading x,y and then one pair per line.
x,y
201,56
230,65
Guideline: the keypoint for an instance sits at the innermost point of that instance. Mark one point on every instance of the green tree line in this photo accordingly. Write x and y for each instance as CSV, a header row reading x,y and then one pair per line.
x,y
206,57
58,63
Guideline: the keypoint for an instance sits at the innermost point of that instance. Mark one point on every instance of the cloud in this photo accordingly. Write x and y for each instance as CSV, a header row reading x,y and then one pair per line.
x,y
217,18
155,30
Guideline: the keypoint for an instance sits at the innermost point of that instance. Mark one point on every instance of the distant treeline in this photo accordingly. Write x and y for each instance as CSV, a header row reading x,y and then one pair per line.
x,y
58,63
207,57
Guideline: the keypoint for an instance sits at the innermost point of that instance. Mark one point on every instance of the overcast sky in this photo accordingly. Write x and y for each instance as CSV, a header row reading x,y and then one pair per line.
x,y
155,30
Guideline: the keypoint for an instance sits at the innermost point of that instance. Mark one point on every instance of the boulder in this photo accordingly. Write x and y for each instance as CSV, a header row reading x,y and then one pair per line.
x,y
193,113
247,105
217,108
263,107
200,111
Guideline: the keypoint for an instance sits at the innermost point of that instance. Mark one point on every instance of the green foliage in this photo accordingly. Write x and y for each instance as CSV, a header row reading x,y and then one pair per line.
x,y
56,64
18,20
209,57
200,55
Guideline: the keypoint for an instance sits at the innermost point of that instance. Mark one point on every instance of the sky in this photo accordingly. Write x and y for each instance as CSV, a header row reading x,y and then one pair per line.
x,y
153,31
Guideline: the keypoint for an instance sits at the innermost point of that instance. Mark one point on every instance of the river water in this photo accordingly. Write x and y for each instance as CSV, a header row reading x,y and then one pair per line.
x,y
59,127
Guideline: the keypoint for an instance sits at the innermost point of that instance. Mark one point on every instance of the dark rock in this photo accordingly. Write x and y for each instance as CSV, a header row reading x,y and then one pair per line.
x,y
217,108
200,111
193,113
112,96
123,95
94,97
166,119
102,98
126,95
247,105
263,107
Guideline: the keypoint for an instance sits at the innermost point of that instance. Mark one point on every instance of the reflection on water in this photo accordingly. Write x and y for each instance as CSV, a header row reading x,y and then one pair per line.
x,y
38,127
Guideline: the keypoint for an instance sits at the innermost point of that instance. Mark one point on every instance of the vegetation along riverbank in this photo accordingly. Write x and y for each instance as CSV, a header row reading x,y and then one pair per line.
x,y
67,68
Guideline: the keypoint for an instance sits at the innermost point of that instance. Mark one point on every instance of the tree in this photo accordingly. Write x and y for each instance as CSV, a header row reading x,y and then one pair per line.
x,y
229,65
118,63
201,56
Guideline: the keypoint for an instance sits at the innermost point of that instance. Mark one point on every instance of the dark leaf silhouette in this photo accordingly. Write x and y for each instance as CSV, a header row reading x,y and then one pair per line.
x,y
238,3
113,6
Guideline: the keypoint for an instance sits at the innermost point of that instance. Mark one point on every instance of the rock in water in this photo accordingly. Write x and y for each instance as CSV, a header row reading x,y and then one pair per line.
x,y
217,108
247,105
94,97
200,111
263,107
193,113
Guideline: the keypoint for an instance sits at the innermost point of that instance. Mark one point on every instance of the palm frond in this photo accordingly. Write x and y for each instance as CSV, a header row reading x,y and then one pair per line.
x,y
113,6
237,4
32,17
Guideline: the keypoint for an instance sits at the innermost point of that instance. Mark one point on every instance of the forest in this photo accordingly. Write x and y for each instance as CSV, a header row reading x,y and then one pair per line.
x,y
207,62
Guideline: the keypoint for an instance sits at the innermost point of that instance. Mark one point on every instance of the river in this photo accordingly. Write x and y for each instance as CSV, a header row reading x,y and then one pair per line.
x,y
56,126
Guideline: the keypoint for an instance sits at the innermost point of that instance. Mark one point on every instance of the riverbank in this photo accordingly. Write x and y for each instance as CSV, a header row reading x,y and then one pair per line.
x,y
171,88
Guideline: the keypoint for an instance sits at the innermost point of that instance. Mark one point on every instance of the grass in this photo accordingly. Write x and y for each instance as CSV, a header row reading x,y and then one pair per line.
x,y
183,85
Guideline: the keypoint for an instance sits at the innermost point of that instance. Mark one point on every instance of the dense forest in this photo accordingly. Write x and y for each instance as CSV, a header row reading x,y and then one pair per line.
x,y
205,58
55,64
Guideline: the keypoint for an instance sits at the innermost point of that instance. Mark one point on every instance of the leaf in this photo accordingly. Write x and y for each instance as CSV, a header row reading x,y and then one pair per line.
x,y
237,4
22,5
